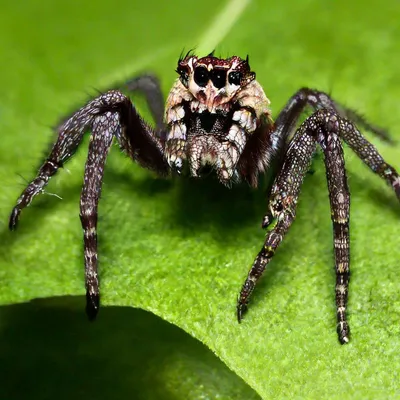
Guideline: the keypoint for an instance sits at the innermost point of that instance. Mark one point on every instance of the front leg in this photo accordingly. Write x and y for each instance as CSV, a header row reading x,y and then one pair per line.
x,y
104,128
110,115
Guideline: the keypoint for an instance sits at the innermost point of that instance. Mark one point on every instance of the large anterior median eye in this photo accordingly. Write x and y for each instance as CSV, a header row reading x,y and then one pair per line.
x,y
201,76
218,77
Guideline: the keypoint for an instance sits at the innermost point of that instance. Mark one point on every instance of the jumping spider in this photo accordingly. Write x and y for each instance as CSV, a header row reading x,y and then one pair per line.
x,y
217,116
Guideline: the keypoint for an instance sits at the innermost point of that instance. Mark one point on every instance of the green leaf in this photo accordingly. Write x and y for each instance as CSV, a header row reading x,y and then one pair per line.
x,y
128,353
181,248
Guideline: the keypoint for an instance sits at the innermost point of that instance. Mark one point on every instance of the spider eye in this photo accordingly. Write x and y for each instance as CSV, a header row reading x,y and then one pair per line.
x,y
235,77
218,78
201,76
183,74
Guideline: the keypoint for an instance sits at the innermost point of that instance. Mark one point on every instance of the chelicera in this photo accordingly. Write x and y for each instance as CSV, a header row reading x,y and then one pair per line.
x,y
218,117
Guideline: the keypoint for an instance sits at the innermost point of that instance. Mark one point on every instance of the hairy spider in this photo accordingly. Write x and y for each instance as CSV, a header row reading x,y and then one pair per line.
x,y
217,116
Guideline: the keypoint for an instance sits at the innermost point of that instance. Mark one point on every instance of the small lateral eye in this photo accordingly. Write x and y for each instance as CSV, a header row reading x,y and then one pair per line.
x,y
184,76
183,73
235,77
201,76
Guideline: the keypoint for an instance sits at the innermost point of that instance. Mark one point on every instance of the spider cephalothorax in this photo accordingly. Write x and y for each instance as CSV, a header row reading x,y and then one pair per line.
x,y
218,115
213,109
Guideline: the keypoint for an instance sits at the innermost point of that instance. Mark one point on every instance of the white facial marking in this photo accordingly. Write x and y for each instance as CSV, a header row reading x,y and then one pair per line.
x,y
197,107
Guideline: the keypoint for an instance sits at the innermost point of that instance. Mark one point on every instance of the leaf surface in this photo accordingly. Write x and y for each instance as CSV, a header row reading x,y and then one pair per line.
x,y
181,248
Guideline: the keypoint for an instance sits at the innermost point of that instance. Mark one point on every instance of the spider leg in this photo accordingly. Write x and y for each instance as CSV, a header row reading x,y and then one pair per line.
x,y
290,114
150,86
369,155
110,115
361,121
324,127
339,197
104,128
282,208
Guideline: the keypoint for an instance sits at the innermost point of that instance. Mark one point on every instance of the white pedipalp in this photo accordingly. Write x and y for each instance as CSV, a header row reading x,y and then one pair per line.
x,y
245,120
175,114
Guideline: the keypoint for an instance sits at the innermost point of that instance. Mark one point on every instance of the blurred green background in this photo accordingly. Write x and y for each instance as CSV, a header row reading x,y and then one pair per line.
x,y
180,249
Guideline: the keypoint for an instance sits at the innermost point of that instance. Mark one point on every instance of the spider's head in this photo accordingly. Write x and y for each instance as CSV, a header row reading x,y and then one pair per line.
x,y
214,81
213,111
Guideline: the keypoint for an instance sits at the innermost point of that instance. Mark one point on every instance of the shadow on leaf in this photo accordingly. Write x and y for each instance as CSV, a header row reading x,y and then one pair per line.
x,y
49,350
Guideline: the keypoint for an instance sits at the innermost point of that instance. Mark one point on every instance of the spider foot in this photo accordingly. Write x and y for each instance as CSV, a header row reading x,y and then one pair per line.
x,y
14,217
243,299
35,187
92,305
343,331
241,309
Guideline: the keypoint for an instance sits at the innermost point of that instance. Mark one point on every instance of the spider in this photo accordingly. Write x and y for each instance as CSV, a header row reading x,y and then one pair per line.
x,y
217,117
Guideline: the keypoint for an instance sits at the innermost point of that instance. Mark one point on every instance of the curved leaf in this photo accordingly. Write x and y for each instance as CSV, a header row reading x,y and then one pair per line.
x,y
181,248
